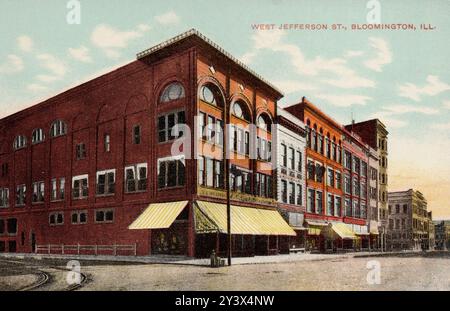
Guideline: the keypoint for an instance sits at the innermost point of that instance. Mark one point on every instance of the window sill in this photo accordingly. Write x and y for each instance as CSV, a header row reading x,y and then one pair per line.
x,y
135,192
80,198
104,222
20,206
57,201
171,188
38,203
105,195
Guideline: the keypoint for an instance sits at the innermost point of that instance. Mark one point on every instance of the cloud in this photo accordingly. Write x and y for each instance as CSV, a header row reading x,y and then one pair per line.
x,y
433,87
383,54
353,53
292,86
402,109
247,58
25,43
446,104
342,76
388,119
168,18
53,64
111,40
13,64
441,126
81,54
35,87
344,100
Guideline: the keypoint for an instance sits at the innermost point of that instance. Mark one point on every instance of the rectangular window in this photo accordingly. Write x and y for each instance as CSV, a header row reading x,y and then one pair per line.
x,y
283,155
80,151
56,219
338,180
21,193
291,193
167,122
348,160
136,134
219,132
201,171
330,178
247,143
54,192
209,172
62,188
38,192
311,175
330,205
79,217
337,206
171,173
106,182
347,184
319,202
291,158
299,161
210,136
310,201
320,171
218,174
356,165
348,208
80,187
104,216
136,178
240,141
363,169
4,197
299,195
107,142
11,226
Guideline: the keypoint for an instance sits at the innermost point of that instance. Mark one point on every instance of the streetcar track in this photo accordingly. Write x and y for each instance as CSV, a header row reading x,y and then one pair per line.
x,y
45,278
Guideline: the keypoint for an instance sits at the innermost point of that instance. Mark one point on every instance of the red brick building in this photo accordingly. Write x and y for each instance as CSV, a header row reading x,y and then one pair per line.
x,y
328,201
88,166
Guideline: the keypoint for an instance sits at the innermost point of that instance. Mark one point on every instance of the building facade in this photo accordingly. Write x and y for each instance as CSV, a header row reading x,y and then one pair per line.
x,y
442,235
333,222
374,133
113,162
291,182
409,222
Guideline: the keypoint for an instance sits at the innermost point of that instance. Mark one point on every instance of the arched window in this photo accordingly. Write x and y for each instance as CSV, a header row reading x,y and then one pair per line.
x,y
20,142
210,94
58,128
173,91
38,136
264,123
240,110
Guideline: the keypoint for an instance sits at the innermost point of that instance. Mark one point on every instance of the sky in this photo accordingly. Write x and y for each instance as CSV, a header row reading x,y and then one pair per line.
x,y
401,77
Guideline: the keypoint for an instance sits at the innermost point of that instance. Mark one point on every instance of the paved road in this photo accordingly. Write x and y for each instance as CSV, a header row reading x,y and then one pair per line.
x,y
396,273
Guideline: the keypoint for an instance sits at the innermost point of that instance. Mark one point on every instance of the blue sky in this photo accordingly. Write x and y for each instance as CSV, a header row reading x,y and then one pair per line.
x,y
401,77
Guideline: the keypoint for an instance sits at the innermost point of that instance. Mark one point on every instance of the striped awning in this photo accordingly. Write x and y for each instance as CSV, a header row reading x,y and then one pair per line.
x,y
343,231
244,220
158,215
315,227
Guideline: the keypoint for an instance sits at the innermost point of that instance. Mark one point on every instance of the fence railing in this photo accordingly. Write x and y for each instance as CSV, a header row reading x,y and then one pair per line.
x,y
86,249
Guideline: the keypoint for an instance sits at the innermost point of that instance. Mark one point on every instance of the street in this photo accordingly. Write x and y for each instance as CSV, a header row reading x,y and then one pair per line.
x,y
336,274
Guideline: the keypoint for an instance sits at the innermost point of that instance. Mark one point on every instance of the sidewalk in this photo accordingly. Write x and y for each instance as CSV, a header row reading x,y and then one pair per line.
x,y
180,260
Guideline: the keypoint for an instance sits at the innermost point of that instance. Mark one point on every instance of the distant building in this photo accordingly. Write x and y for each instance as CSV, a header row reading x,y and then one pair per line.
x,y
408,221
442,234
291,181
374,133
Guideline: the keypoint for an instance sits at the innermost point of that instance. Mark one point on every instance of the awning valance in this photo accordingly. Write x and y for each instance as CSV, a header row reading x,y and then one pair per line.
x,y
244,220
158,215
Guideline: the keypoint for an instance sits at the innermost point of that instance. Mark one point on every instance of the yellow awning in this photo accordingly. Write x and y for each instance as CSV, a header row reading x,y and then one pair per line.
x,y
158,215
244,220
343,231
